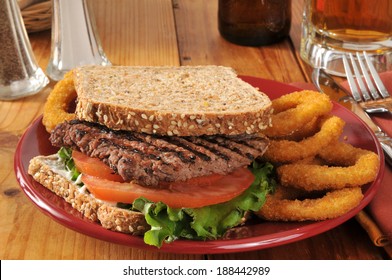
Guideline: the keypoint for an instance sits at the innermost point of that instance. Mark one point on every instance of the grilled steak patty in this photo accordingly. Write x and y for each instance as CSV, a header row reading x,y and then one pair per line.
x,y
149,159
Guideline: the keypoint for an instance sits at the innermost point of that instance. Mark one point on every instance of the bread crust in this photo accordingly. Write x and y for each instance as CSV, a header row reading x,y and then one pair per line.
x,y
182,101
44,170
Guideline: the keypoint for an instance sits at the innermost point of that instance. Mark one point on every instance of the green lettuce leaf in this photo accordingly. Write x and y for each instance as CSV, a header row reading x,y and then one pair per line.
x,y
65,154
209,222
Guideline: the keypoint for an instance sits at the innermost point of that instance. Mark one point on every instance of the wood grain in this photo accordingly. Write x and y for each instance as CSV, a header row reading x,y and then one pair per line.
x,y
199,45
137,32
334,244
151,32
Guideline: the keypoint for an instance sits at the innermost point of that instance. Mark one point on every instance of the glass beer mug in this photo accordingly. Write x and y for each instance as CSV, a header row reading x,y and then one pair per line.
x,y
332,28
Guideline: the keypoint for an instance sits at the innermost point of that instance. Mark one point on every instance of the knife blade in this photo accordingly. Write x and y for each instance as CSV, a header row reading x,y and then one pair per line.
x,y
325,83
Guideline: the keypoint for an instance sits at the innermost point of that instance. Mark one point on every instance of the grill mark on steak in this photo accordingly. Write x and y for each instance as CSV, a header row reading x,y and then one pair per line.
x,y
209,146
149,159
180,142
238,145
164,146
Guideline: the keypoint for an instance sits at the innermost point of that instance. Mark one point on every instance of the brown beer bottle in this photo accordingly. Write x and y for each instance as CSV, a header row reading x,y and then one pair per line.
x,y
254,22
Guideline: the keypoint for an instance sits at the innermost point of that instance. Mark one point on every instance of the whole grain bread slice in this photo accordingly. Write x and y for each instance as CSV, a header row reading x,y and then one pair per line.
x,y
183,101
47,171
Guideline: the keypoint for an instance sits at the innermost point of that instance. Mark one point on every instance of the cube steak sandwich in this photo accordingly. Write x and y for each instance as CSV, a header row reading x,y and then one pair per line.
x,y
180,144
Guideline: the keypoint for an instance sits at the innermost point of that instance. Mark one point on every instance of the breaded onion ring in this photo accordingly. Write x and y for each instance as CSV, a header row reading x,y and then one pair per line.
x,y
282,206
293,111
309,129
284,151
352,167
57,104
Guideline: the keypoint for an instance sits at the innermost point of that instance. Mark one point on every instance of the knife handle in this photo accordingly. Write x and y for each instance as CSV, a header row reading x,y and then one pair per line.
x,y
360,112
383,138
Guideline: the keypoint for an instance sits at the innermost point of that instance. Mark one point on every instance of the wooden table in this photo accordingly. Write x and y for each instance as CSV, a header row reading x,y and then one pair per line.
x,y
151,32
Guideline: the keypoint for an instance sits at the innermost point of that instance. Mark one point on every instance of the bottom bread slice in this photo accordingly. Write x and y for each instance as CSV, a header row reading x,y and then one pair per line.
x,y
48,171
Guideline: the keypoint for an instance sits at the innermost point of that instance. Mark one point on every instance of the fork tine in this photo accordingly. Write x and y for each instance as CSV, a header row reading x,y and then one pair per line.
x,y
351,81
376,77
362,87
369,82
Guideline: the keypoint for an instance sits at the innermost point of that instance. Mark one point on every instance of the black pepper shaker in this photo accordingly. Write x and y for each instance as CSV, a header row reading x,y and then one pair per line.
x,y
20,75
254,22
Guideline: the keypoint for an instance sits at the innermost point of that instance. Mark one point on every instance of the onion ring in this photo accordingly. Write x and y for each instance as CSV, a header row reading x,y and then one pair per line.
x,y
282,206
57,104
284,151
352,167
293,111
309,129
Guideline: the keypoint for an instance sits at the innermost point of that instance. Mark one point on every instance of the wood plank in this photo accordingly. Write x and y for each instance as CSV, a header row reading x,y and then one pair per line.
x,y
144,33
36,236
200,43
338,243
137,32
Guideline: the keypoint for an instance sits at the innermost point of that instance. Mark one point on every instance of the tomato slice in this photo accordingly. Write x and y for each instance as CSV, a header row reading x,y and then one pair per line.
x,y
194,193
94,167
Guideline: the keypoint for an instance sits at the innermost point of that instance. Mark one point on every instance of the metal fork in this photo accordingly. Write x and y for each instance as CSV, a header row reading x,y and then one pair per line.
x,y
383,138
372,96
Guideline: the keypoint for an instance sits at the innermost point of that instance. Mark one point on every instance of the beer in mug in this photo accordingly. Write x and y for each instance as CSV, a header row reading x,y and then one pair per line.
x,y
334,27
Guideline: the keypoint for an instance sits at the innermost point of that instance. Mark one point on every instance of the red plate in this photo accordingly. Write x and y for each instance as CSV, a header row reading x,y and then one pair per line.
x,y
255,236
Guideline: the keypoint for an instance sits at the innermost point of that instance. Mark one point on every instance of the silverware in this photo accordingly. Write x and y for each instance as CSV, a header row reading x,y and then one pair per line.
x,y
325,83
372,94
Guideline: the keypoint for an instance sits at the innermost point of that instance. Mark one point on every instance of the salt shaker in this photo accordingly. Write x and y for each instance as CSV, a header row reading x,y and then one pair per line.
x,y
20,75
75,41
254,22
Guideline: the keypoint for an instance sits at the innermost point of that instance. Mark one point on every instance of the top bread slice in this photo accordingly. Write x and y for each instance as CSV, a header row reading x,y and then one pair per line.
x,y
167,100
